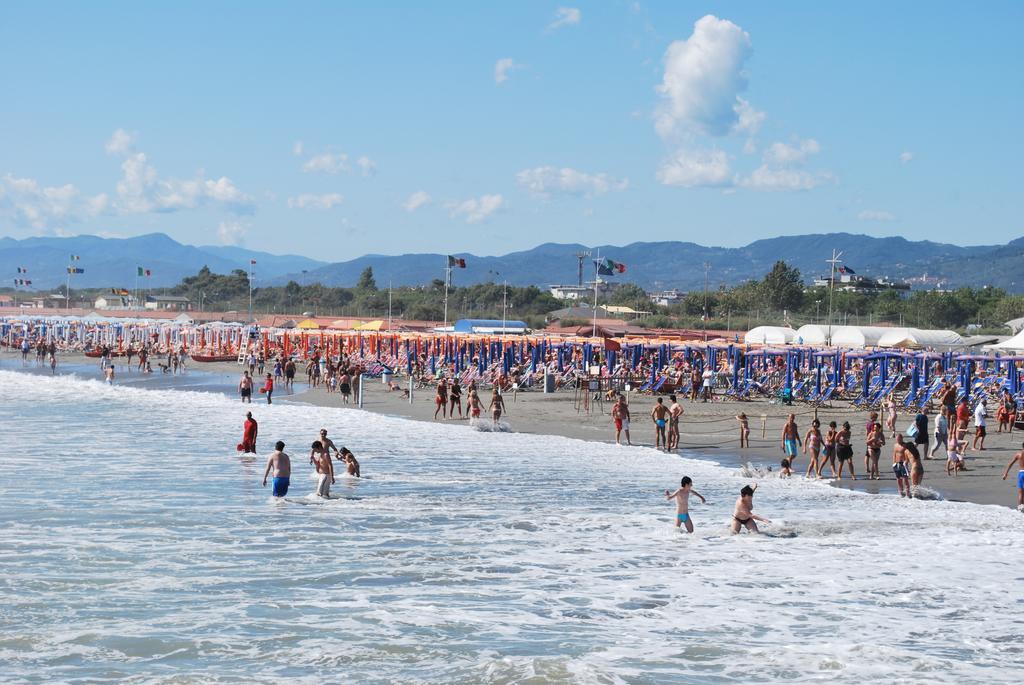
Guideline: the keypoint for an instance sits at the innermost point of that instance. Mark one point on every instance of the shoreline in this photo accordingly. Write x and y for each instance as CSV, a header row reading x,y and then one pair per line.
x,y
709,431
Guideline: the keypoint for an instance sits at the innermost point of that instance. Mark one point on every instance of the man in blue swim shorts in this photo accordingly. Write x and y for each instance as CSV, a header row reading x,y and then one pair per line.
x,y
1018,459
660,417
791,438
281,463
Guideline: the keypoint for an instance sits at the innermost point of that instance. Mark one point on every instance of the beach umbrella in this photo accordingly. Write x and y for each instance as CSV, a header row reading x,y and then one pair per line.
x,y
610,357
817,382
866,381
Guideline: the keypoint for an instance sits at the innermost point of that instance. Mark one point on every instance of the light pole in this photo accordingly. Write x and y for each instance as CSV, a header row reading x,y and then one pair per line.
x,y
817,311
831,289
504,306
704,321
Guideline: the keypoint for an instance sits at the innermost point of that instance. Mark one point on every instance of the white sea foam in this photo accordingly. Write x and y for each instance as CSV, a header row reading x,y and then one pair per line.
x,y
137,547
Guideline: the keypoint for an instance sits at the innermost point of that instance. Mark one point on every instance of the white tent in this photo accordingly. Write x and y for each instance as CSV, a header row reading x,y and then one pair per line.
x,y
914,338
769,335
858,337
1014,343
812,334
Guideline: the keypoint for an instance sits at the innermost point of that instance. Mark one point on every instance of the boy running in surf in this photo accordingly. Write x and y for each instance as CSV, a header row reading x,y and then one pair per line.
x,y
682,498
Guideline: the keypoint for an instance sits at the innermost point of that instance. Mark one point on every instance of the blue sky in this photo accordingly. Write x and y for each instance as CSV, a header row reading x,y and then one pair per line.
x,y
337,129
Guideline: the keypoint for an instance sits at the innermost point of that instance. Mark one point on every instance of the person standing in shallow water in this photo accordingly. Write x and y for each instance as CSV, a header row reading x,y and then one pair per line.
x,y
282,466
250,429
682,498
743,515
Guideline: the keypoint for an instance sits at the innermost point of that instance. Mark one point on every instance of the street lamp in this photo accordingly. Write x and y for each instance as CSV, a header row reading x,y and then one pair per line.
x,y
817,311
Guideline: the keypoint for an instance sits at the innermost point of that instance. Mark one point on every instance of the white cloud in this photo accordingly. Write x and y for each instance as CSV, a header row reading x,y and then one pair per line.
x,y
231,232
418,199
703,78
697,169
782,154
298,148
476,210
876,215
121,143
771,178
366,165
565,16
503,67
40,207
906,156
748,119
548,180
141,190
327,163
782,168
311,201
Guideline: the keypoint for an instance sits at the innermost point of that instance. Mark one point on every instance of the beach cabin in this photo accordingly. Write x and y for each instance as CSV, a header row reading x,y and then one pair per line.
x,y
174,302
490,327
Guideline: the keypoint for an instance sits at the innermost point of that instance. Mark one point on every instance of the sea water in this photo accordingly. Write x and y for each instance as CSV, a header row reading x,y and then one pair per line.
x,y
137,546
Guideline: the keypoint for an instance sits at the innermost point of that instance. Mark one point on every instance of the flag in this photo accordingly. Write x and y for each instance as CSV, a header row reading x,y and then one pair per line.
x,y
119,291
612,345
75,258
144,272
846,270
22,270
608,267
148,272
75,270
456,261
21,281
252,261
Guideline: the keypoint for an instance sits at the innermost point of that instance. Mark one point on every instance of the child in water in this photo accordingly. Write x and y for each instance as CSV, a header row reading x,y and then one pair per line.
x,y
786,471
743,515
351,465
682,498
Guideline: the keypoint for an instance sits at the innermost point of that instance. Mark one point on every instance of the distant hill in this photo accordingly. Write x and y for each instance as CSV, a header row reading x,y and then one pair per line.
x,y
110,262
673,264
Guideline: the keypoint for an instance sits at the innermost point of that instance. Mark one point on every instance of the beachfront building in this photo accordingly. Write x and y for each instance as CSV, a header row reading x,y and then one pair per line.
x,y
667,298
850,281
582,292
175,302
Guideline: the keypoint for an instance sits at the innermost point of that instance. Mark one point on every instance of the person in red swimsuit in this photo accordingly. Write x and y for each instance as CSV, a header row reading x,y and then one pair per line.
x,y
249,432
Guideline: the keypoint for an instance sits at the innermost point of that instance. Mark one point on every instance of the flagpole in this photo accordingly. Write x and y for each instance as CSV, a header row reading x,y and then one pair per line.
x,y
67,291
594,333
447,281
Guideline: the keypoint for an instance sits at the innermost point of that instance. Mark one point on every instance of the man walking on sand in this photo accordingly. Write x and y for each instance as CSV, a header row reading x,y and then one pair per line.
x,y
791,438
620,415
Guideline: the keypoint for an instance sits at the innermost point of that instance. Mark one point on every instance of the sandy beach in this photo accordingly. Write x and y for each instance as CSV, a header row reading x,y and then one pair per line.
x,y
708,430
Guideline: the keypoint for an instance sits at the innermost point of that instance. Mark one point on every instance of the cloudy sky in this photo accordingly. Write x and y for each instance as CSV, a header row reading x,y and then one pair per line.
x,y
336,130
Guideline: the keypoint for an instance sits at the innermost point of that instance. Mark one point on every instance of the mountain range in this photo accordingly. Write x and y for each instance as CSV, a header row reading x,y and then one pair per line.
x,y
114,262
651,265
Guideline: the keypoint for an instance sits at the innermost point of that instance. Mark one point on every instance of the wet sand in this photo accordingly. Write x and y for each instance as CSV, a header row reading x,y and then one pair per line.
x,y
708,430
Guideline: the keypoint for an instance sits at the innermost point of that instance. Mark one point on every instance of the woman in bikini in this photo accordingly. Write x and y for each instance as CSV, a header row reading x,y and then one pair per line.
x,y
497,405
828,452
812,441
874,449
455,397
441,399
